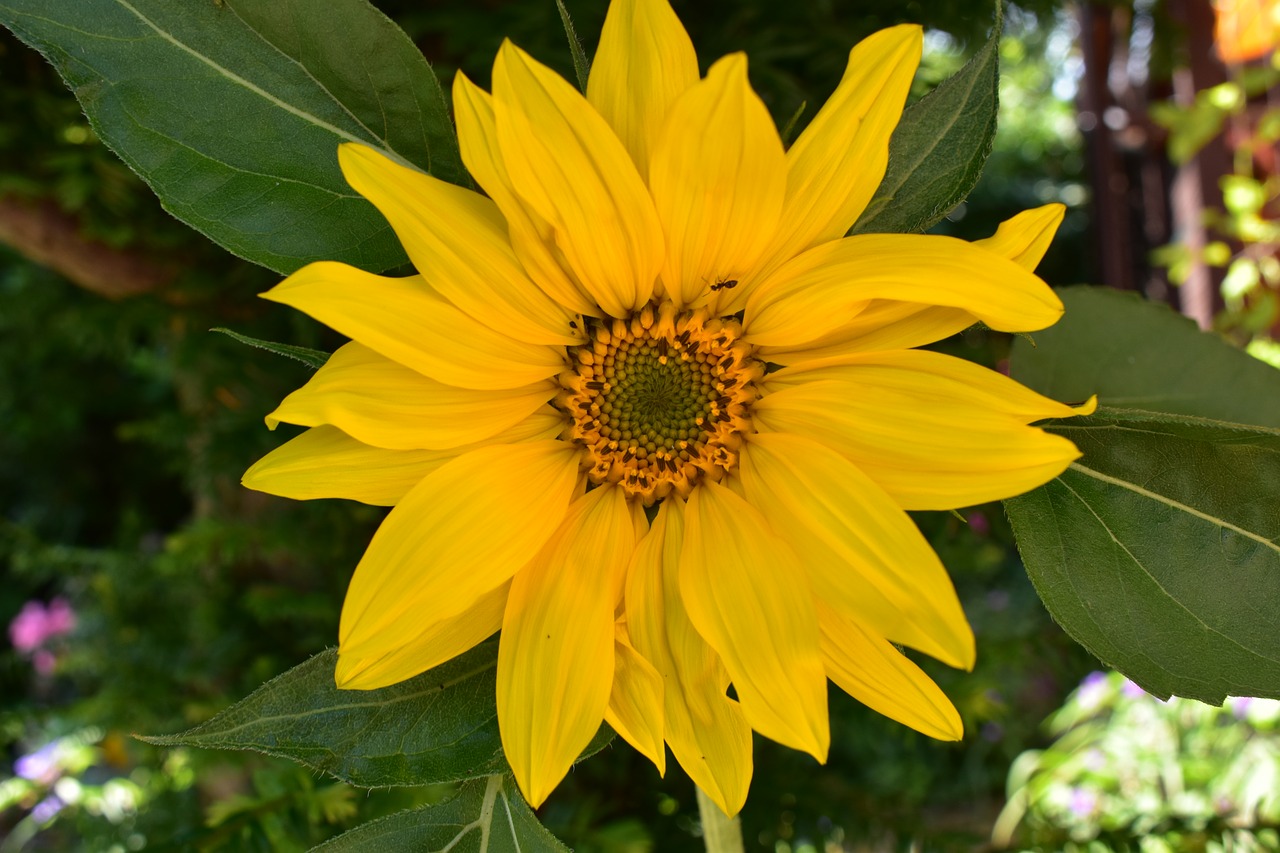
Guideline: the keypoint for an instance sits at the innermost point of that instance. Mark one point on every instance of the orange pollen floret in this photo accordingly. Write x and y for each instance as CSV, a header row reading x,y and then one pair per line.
x,y
661,399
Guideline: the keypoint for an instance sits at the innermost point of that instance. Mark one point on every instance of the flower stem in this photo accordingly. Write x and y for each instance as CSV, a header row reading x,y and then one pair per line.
x,y
720,833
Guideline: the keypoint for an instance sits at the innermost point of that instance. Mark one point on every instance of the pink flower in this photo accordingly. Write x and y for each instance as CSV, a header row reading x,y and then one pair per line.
x,y
36,624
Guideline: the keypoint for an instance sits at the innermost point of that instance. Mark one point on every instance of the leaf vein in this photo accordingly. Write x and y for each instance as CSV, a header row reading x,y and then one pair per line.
x,y
1170,502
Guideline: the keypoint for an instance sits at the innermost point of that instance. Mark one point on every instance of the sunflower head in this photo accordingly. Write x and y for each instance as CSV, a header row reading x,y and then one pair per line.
x,y
661,401
569,409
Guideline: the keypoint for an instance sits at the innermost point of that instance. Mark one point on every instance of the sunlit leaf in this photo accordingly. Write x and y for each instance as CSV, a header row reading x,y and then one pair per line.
x,y
938,150
232,110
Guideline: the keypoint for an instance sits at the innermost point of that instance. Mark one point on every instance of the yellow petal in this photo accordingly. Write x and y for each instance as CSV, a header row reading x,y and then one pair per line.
x,y
884,324
863,555
530,234
556,655
458,241
567,165
836,164
1025,238
935,432
922,374
822,290
718,177
461,532
325,462
438,642
406,321
746,594
379,402
876,674
708,733
635,703
644,62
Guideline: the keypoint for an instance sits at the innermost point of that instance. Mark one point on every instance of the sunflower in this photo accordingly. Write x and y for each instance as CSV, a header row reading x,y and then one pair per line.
x,y
649,412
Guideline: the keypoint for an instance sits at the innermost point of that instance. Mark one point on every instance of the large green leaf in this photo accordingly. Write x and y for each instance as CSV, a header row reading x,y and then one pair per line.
x,y
486,816
1141,355
1159,550
232,110
441,726
938,150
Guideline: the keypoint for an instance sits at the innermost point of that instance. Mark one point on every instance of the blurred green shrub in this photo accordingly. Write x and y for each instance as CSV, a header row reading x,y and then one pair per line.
x,y
1129,772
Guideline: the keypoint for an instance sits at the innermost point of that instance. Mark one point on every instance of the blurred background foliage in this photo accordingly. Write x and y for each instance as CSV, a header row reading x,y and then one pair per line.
x,y
146,590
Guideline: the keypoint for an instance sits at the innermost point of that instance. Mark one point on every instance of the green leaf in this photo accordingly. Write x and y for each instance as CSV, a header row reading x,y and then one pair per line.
x,y
312,358
1136,354
938,150
1159,551
232,110
486,816
441,726
581,65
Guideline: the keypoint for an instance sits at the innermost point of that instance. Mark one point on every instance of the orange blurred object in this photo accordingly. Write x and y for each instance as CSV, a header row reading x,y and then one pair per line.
x,y
1246,29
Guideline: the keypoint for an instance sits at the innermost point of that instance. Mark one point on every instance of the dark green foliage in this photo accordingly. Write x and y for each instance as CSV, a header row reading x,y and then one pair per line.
x,y
487,815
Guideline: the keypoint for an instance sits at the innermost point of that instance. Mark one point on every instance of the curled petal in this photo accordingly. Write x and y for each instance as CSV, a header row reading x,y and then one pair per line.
x,y
827,286
1025,238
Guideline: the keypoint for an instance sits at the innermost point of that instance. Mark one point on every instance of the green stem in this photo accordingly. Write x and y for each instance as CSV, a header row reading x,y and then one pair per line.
x,y
720,833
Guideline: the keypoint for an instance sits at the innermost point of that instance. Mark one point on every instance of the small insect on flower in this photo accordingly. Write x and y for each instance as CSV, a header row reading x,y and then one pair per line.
x,y
726,284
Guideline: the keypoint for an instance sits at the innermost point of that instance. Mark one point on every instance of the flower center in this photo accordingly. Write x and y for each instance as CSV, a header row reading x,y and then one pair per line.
x,y
661,400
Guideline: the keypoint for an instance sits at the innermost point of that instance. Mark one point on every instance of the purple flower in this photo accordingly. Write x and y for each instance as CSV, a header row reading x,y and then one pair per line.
x,y
46,809
1083,802
1132,690
1092,690
40,766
